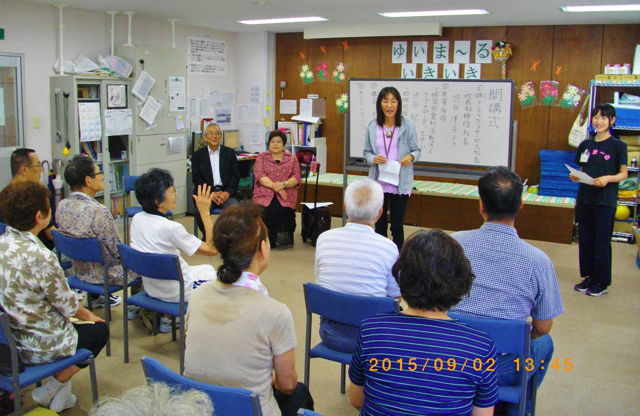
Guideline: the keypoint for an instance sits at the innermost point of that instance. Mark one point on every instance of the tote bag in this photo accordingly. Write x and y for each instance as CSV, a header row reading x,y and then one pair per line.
x,y
578,131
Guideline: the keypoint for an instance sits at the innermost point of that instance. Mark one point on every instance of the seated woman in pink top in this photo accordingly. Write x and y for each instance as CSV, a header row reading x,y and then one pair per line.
x,y
277,175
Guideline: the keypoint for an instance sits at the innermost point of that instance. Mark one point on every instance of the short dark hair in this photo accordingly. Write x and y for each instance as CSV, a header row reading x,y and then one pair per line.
x,y
277,133
19,158
237,235
605,110
432,271
77,170
500,191
151,187
21,201
380,113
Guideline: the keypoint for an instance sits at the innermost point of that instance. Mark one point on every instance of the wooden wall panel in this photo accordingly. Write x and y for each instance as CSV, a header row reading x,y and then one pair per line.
x,y
619,44
577,50
288,48
530,43
388,69
333,124
494,33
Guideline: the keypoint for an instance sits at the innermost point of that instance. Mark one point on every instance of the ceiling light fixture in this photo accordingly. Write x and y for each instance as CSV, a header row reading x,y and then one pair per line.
x,y
602,8
436,13
282,20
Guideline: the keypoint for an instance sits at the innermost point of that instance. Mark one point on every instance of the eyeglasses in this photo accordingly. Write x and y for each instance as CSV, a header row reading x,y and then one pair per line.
x,y
171,191
215,133
93,175
392,102
276,141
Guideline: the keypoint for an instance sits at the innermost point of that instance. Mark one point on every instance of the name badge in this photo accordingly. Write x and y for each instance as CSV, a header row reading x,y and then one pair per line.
x,y
584,158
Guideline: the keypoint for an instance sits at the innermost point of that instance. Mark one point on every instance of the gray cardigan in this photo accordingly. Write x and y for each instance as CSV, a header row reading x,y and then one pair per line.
x,y
407,144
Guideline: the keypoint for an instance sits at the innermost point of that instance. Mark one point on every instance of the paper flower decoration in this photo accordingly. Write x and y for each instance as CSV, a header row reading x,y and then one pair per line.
x,y
338,74
342,103
322,69
283,84
571,97
549,92
526,95
305,74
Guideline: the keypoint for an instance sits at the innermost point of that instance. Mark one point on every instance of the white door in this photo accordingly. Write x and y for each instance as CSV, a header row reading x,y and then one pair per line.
x,y
11,110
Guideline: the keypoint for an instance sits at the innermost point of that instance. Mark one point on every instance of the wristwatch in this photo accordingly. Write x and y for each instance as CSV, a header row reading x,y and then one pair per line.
x,y
285,184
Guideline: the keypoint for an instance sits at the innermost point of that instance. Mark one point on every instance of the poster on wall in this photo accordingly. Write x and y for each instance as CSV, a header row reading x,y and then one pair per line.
x,y
206,56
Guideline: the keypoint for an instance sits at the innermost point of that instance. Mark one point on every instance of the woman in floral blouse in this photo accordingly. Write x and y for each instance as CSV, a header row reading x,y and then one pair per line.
x,y
36,297
277,175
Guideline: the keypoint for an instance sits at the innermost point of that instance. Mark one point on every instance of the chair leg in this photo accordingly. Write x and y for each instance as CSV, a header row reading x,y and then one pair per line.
x,y
182,346
125,329
534,393
39,383
154,318
94,381
173,328
16,402
342,377
107,319
307,349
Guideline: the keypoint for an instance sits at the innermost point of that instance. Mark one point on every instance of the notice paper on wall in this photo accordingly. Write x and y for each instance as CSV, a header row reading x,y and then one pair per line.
x,y
2,117
288,107
206,56
215,98
204,107
90,122
253,134
178,102
118,122
248,113
306,107
177,86
150,110
256,93
193,108
176,145
143,86
223,115
228,98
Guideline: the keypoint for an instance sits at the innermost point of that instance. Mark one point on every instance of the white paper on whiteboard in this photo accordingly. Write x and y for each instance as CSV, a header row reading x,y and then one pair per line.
x,y
150,110
390,172
143,86
288,107
584,178
118,122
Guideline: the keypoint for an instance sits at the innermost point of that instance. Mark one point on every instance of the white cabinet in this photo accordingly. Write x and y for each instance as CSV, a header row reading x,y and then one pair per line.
x,y
150,148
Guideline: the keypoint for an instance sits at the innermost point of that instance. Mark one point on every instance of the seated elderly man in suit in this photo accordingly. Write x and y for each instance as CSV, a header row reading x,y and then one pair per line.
x,y
217,166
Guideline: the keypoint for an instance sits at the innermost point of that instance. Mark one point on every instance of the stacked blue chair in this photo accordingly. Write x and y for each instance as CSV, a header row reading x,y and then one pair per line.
x,y
554,175
342,308
509,337
153,266
227,401
90,249
3,228
35,373
130,212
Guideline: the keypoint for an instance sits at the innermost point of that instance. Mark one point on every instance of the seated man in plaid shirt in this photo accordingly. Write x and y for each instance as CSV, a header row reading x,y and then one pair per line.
x,y
514,280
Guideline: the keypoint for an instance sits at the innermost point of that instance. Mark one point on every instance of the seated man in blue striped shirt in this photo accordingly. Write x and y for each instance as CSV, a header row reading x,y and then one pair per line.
x,y
354,259
514,280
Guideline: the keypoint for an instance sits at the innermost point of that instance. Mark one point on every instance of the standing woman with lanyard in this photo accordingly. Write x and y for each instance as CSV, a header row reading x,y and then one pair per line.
x,y
605,160
391,137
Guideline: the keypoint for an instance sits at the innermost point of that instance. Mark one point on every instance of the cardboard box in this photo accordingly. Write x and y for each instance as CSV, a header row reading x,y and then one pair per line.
x,y
602,77
628,78
622,227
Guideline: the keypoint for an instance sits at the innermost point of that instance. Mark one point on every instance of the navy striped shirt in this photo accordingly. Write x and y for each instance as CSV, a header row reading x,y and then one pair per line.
x,y
446,368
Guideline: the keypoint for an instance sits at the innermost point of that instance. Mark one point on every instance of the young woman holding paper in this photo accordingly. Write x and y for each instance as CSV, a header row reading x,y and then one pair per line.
x,y
391,140
604,158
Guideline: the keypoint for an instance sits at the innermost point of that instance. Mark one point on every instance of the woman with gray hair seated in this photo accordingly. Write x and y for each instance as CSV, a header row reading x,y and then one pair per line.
x,y
355,260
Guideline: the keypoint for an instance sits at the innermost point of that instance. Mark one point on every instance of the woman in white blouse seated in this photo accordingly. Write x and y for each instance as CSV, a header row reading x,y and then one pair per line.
x,y
153,232
236,334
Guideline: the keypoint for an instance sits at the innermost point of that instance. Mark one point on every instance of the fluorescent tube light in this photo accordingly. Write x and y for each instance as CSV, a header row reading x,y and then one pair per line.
x,y
282,20
435,13
602,8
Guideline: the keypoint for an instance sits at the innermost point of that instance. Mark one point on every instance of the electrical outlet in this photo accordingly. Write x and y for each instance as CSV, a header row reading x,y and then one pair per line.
x,y
36,122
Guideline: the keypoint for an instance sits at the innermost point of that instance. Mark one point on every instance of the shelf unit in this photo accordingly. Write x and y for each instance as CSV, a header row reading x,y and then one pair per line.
x,y
317,146
607,92
107,149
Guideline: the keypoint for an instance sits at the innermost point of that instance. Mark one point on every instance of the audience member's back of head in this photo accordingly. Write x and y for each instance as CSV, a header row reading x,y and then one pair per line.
x,y
19,158
155,399
21,201
432,271
500,191
77,170
237,235
363,200
151,188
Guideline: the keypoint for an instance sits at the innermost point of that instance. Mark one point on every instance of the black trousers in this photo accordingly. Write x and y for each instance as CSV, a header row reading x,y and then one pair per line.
x,y
92,337
278,219
595,228
229,202
300,398
398,206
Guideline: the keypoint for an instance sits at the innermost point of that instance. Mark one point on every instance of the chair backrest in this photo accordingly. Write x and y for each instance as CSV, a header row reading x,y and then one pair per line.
x,y
509,336
130,183
6,337
83,249
343,308
227,401
3,228
156,266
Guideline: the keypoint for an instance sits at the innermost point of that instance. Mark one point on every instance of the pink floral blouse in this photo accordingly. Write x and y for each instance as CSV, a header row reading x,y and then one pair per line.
x,y
278,172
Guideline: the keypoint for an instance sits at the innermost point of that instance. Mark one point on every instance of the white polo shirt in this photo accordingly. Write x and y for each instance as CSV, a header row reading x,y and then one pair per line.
x,y
214,159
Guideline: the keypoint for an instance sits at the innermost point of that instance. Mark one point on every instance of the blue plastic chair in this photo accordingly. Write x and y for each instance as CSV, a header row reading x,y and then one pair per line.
x,y
153,266
35,373
306,412
227,401
510,337
3,228
130,212
342,308
89,249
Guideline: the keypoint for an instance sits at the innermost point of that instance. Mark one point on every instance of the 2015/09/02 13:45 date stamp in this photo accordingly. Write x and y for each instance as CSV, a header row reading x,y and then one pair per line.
x,y
451,364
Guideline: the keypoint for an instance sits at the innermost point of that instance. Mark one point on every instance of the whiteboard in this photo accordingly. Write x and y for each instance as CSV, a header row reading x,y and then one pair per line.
x,y
458,122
